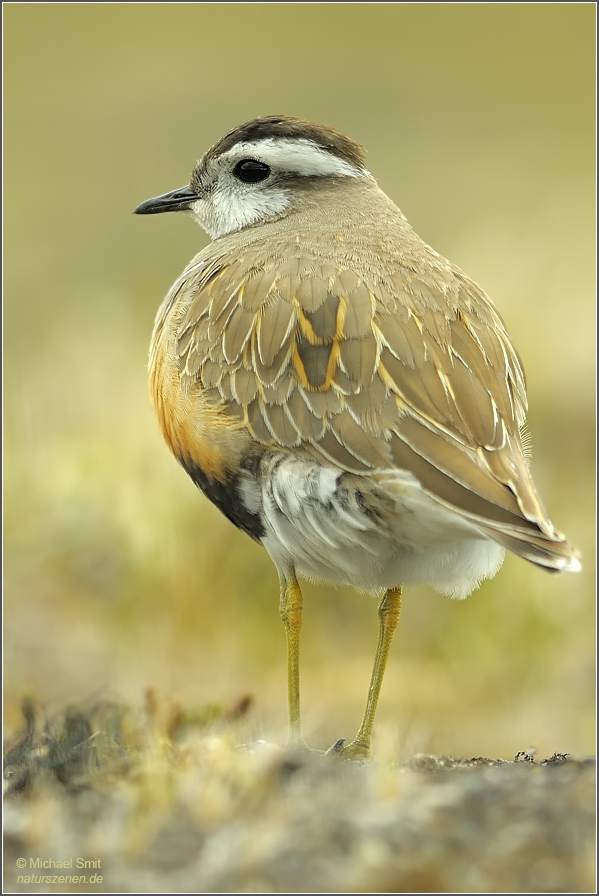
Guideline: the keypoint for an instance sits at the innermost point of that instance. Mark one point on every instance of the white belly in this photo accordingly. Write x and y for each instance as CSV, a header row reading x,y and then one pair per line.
x,y
372,533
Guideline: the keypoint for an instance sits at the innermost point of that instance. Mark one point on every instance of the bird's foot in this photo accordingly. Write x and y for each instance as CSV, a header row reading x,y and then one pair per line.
x,y
356,751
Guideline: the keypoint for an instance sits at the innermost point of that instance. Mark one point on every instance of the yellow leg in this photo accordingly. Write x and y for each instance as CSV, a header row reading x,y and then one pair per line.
x,y
389,610
291,613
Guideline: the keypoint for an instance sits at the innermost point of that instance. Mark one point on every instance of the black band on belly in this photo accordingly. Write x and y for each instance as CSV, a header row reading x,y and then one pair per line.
x,y
228,497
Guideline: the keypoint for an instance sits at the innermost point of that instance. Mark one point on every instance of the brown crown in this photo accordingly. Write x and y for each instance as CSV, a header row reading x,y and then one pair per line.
x,y
295,128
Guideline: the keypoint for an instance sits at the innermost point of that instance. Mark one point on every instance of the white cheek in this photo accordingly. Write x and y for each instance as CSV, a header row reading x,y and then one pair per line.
x,y
232,207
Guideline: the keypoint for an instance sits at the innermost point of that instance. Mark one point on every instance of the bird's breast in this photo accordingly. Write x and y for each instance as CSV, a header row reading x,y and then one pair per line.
x,y
211,446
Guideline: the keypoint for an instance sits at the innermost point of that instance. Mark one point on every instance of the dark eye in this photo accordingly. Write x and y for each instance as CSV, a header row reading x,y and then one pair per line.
x,y
250,171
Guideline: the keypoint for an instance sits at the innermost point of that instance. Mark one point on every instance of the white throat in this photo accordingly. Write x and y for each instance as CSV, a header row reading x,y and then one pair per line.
x,y
225,211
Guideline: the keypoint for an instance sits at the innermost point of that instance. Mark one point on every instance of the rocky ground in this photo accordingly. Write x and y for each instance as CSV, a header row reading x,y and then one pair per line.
x,y
109,800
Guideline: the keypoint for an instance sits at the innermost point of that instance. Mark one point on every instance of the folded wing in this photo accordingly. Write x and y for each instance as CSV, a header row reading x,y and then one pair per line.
x,y
410,372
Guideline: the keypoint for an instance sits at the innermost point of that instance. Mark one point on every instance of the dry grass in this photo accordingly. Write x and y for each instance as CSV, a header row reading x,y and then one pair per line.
x,y
168,801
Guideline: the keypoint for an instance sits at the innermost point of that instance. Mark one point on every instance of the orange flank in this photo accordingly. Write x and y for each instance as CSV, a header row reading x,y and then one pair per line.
x,y
193,429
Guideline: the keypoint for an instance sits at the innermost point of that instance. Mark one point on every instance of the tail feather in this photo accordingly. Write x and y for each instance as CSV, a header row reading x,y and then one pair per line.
x,y
552,553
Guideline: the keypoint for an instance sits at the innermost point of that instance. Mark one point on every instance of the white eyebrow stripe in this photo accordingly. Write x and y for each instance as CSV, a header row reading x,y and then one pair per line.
x,y
301,156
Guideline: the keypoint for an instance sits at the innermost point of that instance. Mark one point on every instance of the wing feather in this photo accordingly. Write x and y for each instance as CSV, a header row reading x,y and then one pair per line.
x,y
256,289
410,372
359,359
310,426
244,385
281,426
273,327
359,313
320,326
312,293
239,328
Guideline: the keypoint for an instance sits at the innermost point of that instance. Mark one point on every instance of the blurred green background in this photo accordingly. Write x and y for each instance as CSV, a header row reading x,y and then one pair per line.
x,y
480,123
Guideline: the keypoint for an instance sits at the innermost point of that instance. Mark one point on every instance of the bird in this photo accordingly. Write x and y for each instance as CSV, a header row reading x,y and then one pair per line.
x,y
345,395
